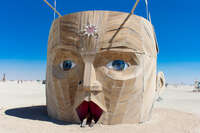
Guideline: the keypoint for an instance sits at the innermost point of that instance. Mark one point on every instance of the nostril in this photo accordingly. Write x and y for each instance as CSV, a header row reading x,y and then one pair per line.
x,y
80,82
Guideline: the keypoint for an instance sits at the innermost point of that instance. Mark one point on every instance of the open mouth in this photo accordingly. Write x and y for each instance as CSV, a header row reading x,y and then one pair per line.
x,y
89,110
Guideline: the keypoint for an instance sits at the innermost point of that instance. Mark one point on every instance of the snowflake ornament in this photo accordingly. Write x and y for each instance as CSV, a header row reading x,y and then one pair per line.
x,y
90,30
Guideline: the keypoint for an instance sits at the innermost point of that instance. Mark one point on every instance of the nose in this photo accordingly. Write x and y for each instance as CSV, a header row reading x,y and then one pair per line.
x,y
89,79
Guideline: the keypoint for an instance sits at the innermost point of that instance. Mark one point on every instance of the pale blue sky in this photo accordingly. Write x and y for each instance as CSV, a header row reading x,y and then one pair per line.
x,y
20,69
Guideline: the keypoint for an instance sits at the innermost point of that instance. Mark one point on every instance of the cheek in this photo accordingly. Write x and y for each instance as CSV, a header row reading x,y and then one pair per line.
x,y
71,79
68,82
131,72
119,80
69,89
117,90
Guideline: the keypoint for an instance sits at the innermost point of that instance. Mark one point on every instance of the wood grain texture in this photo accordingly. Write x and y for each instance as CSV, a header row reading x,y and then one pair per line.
x,y
125,96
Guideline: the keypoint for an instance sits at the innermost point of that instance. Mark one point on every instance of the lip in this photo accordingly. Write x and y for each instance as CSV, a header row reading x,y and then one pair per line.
x,y
89,110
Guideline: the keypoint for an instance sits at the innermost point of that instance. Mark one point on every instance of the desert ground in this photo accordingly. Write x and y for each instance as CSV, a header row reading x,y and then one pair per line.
x,y
22,110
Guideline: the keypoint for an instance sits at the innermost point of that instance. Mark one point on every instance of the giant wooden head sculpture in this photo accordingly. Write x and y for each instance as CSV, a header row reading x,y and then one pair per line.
x,y
90,75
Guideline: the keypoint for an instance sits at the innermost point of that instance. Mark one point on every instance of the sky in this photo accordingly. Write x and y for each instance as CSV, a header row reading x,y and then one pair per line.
x,y
25,24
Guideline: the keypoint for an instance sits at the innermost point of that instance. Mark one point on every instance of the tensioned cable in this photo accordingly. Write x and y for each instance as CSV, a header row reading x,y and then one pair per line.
x,y
147,9
55,9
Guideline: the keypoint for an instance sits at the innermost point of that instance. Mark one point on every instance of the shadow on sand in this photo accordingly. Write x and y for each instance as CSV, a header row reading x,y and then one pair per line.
x,y
34,113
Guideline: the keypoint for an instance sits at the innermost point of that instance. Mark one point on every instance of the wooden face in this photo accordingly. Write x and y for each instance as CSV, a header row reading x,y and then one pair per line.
x,y
100,78
87,76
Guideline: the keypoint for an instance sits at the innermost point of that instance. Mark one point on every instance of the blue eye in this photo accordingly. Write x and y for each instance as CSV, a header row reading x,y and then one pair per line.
x,y
67,65
118,65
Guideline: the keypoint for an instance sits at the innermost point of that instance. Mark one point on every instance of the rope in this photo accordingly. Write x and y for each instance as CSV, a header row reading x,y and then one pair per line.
x,y
52,8
132,11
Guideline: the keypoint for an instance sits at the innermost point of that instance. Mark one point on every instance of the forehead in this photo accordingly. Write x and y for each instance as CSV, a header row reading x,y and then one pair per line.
x,y
71,32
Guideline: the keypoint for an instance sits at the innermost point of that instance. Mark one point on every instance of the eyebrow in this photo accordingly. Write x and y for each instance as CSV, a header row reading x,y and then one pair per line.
x,y
116,49
122,49
66,48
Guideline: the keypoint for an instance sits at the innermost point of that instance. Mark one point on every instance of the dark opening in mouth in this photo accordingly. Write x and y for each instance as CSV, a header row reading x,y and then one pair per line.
x,y
89,110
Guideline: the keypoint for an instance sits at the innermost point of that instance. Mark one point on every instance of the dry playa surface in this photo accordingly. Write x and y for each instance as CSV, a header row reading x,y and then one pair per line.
x,y
22,110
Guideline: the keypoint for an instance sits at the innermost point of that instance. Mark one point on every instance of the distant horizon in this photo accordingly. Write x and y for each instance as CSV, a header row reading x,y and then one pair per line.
x,y
23,70
36,70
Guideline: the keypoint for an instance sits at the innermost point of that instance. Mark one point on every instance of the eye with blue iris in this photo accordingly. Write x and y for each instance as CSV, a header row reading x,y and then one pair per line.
x,y
67,65
118,65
